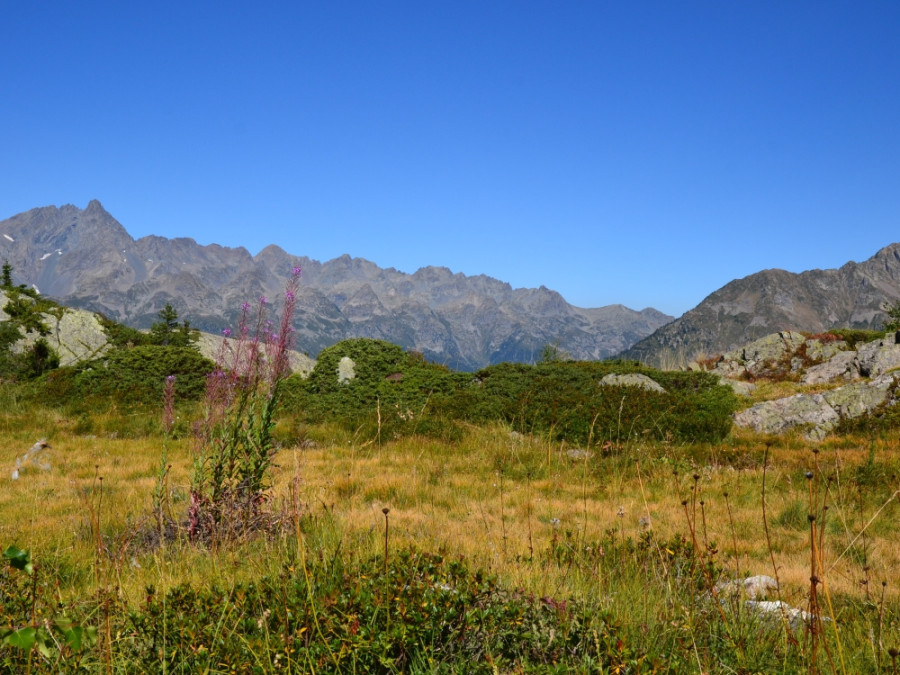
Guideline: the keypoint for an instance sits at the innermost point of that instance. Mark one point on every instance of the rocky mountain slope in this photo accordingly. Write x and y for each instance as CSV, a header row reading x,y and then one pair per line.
x,y
85,258
839,381
78,335
775,300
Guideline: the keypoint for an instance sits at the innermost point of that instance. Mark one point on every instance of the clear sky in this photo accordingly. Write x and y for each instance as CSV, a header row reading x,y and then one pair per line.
x,y
643,153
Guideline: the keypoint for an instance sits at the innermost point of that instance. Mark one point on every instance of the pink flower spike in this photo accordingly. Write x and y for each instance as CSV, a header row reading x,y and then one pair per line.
x,y
227,332
262,300
289,295
295,272
245,306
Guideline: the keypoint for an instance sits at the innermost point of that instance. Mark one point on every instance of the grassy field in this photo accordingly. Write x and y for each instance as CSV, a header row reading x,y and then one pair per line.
x,y
496,552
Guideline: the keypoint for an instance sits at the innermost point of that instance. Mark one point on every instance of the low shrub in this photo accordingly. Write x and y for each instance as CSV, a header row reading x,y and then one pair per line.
x,y
856,336
396,393
134,375
422,611
566,400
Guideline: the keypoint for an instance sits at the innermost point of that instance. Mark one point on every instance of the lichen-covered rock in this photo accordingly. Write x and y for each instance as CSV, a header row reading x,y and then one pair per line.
x,y
75,334
755,587
772,347
729,368
878,357
860,398
816,350
775,417
760,355
821,412
840,366
739,387
631,380
346,370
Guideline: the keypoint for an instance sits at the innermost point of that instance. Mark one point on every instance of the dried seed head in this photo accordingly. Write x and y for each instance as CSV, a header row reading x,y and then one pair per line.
x,y
809,475
385,510
811,518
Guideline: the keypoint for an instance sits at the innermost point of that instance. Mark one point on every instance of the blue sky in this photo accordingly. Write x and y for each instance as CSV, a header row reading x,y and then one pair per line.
x,y
643,153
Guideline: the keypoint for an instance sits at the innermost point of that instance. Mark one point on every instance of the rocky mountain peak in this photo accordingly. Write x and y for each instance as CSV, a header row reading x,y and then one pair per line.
x,y
87,259
776,300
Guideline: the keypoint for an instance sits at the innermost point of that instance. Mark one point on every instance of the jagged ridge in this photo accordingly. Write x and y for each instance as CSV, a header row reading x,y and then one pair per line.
x,y
775,300
85,258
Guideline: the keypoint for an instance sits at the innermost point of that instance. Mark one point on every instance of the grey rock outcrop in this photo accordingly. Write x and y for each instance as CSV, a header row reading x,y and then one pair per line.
x,y
776,611
746,309
739,387
759,355
867,373
211,346
631,380
76,336
819,413
842,366
775,417
817,350
878,357
755,588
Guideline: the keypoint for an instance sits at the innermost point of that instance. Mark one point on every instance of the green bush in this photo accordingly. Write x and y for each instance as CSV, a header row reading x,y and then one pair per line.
x,y
565,399
134,375
395,392
425,612
390,393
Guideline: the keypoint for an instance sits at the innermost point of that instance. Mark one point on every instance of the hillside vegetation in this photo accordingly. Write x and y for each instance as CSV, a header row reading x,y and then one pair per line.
x,y
389,515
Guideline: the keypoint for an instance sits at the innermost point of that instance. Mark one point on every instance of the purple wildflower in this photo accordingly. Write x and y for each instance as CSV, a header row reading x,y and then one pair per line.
x,y
262,300
295,272
245,306
289,295
227,332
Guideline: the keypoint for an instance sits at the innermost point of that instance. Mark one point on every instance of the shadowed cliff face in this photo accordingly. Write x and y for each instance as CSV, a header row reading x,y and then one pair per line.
x,y
85,258
774,300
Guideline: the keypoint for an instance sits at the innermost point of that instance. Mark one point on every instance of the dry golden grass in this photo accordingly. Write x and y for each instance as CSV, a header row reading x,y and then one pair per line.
x,y
500,499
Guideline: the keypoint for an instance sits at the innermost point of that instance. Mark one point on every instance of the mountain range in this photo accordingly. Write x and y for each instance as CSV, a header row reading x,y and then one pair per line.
x,y
743,310
85,258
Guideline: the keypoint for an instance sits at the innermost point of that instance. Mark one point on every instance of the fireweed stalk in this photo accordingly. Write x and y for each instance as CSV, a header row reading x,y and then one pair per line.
x,y
160,491
234,447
